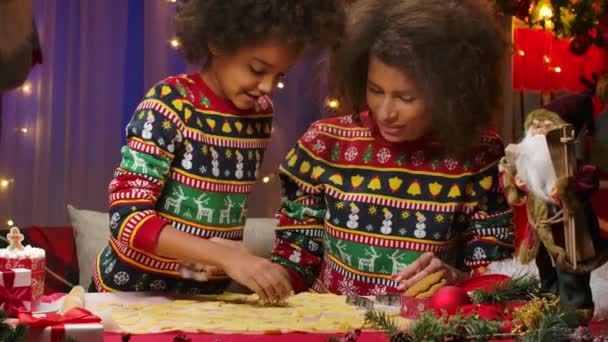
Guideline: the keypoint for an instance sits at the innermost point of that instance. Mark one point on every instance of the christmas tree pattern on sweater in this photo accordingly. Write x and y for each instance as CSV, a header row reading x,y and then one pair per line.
x,y
357,209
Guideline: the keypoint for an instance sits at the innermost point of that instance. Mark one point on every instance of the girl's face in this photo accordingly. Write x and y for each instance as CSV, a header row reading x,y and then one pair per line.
x,y
397,107
248,73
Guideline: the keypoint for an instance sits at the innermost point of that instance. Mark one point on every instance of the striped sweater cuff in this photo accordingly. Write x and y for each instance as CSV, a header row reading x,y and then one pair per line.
x,y
297,281
146,237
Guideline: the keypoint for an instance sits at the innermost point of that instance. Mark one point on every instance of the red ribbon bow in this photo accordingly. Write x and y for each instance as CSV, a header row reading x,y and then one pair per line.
x,y
13,297
75,315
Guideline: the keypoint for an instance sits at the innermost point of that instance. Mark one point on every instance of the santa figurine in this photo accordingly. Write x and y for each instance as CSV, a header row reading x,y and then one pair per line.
x,y
562,233
599,153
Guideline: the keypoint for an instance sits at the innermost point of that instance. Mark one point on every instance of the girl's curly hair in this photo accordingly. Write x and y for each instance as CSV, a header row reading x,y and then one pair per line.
x,y
454,50
233,24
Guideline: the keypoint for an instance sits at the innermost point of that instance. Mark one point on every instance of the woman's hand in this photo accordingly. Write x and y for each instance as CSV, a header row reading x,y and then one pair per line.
x,y
427,264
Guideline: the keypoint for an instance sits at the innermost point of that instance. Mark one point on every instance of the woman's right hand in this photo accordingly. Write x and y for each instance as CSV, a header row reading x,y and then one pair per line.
x,y
269,280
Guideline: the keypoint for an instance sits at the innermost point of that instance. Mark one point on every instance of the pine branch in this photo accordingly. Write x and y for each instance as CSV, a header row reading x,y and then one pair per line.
x,y
20,332
553,327
11,333
429,328
479,329
382,321
471,328
520,287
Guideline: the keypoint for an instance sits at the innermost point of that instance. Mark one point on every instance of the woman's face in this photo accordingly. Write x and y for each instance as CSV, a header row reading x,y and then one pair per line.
x,y
395,103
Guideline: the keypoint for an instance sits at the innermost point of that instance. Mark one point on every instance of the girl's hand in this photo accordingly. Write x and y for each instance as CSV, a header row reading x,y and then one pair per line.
x,y
201,272
427,264
229,243
269,280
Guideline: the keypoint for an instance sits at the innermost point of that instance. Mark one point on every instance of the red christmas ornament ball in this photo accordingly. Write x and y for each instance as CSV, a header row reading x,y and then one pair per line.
x,y
448,299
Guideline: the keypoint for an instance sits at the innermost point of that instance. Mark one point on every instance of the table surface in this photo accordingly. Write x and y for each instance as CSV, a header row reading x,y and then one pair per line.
x,y
599,328
288,337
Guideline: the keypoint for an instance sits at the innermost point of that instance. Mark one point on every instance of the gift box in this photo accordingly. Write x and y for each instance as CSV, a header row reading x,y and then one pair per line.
x,y
413,308
78,324
16,291
36,265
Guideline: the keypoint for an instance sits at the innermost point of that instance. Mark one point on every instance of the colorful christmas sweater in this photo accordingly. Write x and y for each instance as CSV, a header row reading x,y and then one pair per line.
x,y
191,161
357,209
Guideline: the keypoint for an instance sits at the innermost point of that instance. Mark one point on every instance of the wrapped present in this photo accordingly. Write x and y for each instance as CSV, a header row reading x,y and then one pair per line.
x,y
77,323
412,307
15,291
18,256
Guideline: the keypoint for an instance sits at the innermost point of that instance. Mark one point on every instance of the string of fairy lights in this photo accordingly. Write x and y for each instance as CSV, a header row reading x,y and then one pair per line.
x,y
545,12
26,90
7,182
545,15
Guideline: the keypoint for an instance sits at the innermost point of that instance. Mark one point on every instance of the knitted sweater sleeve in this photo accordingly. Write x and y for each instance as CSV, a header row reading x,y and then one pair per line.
x,y
298,243
154,136
489,232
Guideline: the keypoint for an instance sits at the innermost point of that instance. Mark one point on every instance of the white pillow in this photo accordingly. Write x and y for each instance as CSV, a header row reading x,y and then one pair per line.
x,y
258,235
91,232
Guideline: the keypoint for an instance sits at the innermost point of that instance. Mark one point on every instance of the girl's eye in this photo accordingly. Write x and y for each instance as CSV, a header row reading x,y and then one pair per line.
x,y
374,90
256,71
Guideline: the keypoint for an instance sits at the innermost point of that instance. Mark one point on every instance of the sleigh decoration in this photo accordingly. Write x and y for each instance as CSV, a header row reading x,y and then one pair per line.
x,y
578,243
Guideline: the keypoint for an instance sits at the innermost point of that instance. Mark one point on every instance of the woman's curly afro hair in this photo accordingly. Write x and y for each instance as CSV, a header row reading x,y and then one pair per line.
x,y
454,51
233,24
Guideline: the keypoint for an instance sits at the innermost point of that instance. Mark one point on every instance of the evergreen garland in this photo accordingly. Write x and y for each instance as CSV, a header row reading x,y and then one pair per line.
x,y
542,319
430,328
11,333
381,320
520,287
554,326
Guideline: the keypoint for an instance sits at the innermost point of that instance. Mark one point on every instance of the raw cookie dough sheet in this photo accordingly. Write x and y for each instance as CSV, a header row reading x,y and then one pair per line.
x,y
228,313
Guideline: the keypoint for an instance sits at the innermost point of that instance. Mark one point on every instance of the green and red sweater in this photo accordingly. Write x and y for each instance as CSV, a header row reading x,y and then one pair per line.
x,y
191,161
357,209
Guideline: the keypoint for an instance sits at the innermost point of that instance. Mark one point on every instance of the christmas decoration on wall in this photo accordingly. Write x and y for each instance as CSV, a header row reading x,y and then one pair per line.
x,y
583,22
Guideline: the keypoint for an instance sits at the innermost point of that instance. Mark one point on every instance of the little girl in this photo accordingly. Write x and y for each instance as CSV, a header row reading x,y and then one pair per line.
x,y
195,145
408,185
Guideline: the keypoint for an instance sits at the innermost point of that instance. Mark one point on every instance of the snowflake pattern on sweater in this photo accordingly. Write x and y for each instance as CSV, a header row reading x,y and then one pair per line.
x,y
357,209
191,161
